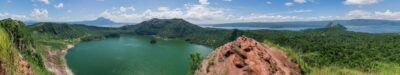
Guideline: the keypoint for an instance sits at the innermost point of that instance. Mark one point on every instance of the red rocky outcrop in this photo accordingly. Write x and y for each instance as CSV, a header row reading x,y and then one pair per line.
x,y
246,56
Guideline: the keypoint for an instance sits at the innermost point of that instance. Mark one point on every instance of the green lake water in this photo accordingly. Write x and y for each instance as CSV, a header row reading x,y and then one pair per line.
x,y
132,55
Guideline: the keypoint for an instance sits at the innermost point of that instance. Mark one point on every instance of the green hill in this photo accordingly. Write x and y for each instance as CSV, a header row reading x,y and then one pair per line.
x,y
72,31
17,52
164,27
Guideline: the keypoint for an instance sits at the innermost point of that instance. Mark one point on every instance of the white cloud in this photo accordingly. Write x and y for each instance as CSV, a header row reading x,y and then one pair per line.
x,y
125,9
289,4
194,13
163,9
267,18
45,1
300,11
388,14
360,2
359,14
354,14
59,5
204,2
39,13
203,13
282,18
13,16
300,1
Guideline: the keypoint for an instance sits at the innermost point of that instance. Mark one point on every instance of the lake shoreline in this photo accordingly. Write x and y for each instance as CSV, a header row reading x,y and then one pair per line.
x,y
55,67
130,49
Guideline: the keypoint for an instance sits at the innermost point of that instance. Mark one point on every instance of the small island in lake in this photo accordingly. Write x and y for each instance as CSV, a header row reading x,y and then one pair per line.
x,y
153,41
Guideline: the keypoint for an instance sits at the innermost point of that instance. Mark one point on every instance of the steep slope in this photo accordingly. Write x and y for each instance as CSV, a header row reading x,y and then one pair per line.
x,y
56,38
17,55
246,56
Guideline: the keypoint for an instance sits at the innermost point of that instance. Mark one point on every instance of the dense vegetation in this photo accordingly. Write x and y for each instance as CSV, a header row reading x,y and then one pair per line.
x,y
73,31
316,48
17,41
331,48
164,27
33,43
194,62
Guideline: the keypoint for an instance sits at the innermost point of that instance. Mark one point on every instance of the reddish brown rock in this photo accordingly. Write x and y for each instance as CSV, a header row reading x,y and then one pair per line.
x,y
246,56
2,71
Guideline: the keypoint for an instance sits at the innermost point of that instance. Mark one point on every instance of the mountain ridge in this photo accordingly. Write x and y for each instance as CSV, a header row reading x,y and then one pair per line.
x,y
317,24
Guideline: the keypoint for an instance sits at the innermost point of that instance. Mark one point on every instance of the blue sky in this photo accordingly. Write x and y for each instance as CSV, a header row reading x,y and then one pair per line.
x,y
199,11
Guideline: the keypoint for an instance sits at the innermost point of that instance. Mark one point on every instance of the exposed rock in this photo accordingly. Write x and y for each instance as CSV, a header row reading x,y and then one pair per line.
x,y
25,67
246,56
2,70
52,61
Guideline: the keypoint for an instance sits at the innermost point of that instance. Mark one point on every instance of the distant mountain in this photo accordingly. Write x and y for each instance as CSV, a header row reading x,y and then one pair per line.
x,y
29,22
101,21
318,24
98,21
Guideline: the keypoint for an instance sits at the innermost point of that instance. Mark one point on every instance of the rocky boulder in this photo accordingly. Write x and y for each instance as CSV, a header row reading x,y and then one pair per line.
x,y
246,56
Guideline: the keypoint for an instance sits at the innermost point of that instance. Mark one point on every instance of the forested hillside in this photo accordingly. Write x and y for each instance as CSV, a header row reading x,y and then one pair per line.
x,y
331,49
18,54
335,47
29,50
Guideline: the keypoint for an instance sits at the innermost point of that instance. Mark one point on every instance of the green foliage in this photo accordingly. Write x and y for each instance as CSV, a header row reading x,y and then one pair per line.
x,y
313,48
164,27
382,69
330,47
18,33
316,50
296,57
7,54
194,62
236,33
210,37
74,31
16,40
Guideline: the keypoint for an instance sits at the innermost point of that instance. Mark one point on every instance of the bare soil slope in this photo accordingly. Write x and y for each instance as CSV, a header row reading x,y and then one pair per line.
x,y
246,56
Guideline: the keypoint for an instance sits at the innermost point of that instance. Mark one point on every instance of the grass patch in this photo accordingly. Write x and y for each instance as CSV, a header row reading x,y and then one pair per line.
x,y
7,53
295,57
380,69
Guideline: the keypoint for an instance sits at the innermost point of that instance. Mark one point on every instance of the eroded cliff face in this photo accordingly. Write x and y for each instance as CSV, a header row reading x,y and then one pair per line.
x,y
246,56
53,64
